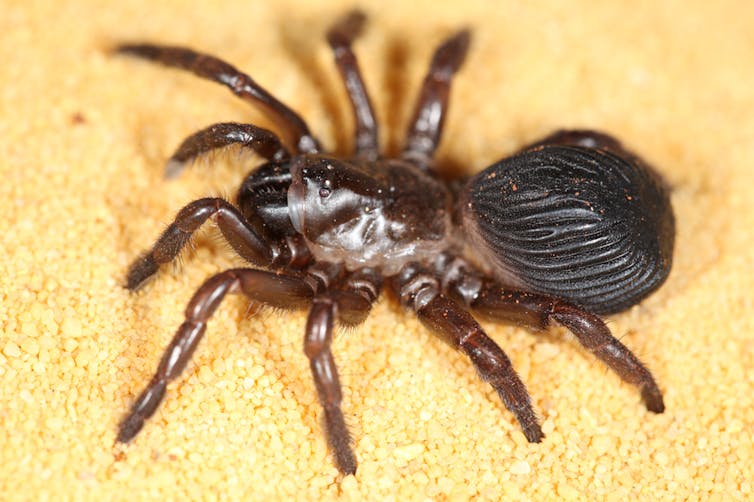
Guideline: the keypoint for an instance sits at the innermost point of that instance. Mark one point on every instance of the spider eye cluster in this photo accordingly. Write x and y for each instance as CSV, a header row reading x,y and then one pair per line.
x,y
326,193
320,178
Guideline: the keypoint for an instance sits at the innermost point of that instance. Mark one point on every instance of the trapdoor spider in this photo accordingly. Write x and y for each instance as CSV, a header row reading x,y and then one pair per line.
x,y
569,227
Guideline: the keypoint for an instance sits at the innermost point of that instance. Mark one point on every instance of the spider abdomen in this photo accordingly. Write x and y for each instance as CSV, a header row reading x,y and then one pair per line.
x,y
578,223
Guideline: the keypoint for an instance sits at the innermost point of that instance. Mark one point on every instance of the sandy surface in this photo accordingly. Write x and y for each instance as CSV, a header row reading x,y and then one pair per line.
x,y
83,141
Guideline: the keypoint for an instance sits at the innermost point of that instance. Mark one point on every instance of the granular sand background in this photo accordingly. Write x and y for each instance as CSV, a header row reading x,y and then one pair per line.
x,y
83,141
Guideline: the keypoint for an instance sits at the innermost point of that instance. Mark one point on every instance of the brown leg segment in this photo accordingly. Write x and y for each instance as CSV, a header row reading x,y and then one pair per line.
x,y
595,336
358,292
420,292
242,85
266,287
425,127
340,37
243,238
261,141
350,304
538,311
319,327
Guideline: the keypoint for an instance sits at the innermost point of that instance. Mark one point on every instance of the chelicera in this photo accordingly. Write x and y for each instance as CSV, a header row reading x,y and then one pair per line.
x,y
569,227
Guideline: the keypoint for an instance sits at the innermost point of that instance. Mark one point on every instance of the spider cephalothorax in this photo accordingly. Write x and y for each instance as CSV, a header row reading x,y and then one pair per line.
x,y
570,226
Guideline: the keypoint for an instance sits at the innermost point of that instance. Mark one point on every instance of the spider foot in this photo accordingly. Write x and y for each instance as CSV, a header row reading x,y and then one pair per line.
x,y
143,408
129,428
530,427
653,399
141,270
340,440
173,168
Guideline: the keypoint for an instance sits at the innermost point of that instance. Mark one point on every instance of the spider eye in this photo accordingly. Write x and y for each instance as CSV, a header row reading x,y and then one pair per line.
x,y
324,192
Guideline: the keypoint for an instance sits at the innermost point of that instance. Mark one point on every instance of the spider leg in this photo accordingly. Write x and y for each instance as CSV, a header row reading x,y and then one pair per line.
x,y
421,292
263,142
244,239
426,124
488,298
595,336
267,287
340,37
319,328
350,304
212,68
358,292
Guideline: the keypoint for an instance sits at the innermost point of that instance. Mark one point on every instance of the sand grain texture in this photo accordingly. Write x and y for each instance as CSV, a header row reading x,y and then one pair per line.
x,y
83,141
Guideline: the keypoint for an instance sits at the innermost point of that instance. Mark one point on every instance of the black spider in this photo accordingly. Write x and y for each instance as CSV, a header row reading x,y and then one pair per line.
x,y
569,227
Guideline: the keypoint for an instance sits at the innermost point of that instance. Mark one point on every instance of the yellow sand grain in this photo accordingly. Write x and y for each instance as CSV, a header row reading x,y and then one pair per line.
x,y
83,141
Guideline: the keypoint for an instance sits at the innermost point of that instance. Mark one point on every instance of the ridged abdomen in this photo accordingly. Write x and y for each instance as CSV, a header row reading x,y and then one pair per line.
x,y
581,224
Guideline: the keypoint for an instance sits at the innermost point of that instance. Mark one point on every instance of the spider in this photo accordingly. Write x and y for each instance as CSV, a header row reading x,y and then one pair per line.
x,y
568,228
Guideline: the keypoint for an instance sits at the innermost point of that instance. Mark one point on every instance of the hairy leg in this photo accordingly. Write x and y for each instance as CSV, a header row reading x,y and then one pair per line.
x,y
266,287
420,292
242,237
488,298
349,299
259,140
